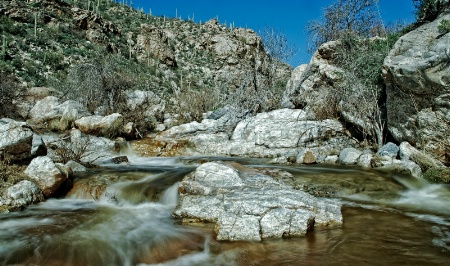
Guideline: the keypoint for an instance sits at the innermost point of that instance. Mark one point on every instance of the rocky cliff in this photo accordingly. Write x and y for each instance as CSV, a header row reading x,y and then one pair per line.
x,y
417,76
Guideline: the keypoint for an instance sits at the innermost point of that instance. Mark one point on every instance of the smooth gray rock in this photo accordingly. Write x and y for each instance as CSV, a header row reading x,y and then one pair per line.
x,y
349,156
248,205
21,195
46,175
331,159
389,149
15,140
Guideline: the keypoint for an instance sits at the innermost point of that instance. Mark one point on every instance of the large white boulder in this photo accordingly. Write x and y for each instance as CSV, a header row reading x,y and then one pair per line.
x,y
46,174
246,204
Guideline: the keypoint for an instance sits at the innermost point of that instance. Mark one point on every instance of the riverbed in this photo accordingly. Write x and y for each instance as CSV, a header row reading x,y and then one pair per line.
x,y
122,215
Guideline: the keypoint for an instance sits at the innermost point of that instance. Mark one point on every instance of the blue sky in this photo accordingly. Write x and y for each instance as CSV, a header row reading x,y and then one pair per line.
x,y
287,16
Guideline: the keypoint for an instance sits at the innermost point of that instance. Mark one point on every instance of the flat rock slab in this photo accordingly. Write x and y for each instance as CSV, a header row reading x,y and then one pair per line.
x,y
247,204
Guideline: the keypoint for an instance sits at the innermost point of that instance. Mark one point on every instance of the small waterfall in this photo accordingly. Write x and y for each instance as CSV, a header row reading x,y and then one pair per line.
x,y
170,196
126,149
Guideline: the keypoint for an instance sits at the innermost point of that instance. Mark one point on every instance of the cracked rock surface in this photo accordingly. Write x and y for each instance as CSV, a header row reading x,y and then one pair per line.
x,y
246,204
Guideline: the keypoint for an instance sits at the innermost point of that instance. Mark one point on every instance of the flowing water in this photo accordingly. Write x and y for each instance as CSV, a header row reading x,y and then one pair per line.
x,y
121,215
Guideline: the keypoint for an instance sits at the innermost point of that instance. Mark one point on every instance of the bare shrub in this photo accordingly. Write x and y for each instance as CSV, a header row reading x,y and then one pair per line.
x,y
97,84
10,174
190,104
359,94
359,17
10,92
78,150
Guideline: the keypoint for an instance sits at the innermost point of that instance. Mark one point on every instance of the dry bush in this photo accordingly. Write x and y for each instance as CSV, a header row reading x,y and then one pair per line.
x,y
78,150
10,92
190,104
359,17
11,174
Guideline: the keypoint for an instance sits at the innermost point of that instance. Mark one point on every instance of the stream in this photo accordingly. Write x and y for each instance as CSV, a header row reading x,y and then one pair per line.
x,y
121,215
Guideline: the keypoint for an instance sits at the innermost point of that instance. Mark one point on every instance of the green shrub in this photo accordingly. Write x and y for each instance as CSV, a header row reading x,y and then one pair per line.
x,y
444,26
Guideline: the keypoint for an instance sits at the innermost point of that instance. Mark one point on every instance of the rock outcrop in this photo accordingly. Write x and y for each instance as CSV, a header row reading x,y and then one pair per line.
x,y
248,205
312,85
283,132
417,75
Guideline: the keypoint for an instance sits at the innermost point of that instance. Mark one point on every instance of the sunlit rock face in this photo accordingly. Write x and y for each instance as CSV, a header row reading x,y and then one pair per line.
x,y
417,75
247,204
277,133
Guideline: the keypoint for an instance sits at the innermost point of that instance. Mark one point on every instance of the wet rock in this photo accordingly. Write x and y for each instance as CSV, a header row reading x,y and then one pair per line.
x,y
349,156
404,167
248,204
120,160
389,149
20,195
15,140
46,174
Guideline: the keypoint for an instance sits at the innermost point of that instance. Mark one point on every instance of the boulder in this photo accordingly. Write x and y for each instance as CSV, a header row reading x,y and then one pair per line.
x,y
20,195
38,146
46,174
110,126
365,160
247,204
306,156
49,113
80,147
404,167
417,77
16,140
349,156
277,133
389,149
316,84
